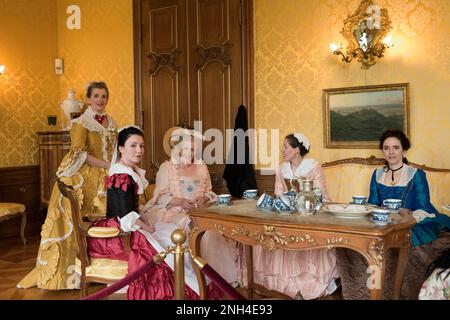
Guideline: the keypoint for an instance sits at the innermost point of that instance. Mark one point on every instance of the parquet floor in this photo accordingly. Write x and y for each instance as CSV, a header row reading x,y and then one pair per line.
x,y
16,260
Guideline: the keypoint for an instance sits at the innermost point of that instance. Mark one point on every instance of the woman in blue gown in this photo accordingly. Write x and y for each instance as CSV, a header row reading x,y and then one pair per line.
x,y
430,235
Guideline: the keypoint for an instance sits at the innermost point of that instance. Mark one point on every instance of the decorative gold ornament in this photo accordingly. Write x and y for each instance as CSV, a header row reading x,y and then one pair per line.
x,y
270,239
366,32
375,250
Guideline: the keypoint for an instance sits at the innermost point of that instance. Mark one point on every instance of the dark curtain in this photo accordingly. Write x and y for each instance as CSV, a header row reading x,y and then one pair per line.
x,y
240,177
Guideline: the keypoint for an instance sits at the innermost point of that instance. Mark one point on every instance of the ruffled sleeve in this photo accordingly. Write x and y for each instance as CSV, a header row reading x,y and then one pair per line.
x,y
162,195
280,185
76,157
318,178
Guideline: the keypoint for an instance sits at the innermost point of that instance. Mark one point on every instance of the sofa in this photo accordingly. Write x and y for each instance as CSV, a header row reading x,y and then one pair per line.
x,y
348,177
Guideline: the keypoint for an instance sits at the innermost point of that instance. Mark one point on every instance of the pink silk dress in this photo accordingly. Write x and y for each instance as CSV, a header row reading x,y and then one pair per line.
x,y
190,182
310,273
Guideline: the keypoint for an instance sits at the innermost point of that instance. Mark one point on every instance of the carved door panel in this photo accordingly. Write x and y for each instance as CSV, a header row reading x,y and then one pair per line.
x,y
191,69
215,67
164,74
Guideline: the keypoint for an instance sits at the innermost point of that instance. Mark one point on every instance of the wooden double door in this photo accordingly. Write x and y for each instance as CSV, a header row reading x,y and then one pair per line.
x,y
195,58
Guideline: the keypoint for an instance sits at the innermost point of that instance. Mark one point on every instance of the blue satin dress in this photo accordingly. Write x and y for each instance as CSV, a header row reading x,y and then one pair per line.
x,y
415,195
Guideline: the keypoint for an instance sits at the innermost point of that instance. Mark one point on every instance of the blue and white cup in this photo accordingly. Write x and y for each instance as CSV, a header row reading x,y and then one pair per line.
x,y
392,204
283,204
359,199
292,195
250,194
223,199
265,202
380,215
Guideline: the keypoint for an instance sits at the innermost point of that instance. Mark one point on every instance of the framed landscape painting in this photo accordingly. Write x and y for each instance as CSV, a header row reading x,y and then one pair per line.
x,y
355,117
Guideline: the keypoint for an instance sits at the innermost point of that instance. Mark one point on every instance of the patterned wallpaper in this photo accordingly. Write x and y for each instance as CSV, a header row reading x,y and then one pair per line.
x,y
29,90
33,34
101,50
293,63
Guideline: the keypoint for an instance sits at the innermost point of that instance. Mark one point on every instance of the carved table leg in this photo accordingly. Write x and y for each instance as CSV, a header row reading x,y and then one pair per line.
x,y
401,266
377,267
195,240
22,228
249,261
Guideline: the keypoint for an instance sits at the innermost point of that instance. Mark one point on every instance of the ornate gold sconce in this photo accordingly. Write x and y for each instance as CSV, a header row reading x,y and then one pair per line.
x,y
366,32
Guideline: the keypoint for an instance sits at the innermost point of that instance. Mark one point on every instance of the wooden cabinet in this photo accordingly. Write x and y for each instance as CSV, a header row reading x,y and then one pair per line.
x,y
53,146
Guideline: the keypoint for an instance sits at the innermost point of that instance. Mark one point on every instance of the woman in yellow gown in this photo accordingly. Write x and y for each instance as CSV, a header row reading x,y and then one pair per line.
x,y
84,168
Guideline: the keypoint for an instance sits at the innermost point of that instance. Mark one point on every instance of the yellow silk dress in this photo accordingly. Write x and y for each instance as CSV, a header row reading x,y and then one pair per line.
x,y
55,263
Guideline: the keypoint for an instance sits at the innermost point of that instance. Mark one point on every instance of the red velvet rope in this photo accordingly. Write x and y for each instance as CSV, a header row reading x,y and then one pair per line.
x,y
221,283
207,270
122,283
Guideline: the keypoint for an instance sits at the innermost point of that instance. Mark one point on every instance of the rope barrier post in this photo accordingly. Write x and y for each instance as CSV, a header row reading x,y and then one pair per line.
x,y
178,237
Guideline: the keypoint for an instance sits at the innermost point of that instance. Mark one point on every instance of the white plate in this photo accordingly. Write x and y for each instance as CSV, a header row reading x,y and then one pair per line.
x,y
348,211
265,209
446,207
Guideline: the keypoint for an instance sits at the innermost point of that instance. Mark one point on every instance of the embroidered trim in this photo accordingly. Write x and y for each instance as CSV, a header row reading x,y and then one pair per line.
x,y
107,134
407,172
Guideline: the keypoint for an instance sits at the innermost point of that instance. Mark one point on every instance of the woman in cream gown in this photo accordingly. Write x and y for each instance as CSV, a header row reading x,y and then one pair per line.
x,y
84,168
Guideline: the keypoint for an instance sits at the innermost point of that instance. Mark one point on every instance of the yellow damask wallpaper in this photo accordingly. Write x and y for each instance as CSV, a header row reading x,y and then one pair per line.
x,y
101,50
33,34
29,91
293,64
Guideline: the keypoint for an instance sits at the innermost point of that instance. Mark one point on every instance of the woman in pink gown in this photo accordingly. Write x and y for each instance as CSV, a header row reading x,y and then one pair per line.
x,y
307,274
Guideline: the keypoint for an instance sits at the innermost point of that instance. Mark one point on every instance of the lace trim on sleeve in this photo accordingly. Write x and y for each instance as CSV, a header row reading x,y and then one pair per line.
x,y
72,164
421,215
128,222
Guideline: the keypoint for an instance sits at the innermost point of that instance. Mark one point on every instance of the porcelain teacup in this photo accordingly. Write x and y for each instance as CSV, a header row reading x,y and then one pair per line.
x,y
265,202
359,199
292,195
224,199
283,204
380,215
250,194
392,204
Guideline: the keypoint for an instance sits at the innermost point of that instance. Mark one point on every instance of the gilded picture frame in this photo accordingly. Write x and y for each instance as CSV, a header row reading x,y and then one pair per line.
x,y
355,117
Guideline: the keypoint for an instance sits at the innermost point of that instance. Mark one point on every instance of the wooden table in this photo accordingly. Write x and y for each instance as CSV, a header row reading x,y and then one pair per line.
x,y
243,222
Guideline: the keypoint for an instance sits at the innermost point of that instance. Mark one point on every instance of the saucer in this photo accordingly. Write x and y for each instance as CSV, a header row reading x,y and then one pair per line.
x,y
254,198
380,223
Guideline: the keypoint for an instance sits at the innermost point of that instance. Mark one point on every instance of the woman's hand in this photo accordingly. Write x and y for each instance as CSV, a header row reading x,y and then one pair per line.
x,y
145,226
182,202
201,202
95,162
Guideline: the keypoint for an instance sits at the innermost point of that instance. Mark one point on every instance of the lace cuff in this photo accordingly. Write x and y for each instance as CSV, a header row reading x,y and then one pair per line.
x,y
71,164
164,201
128,222
212,197
421,215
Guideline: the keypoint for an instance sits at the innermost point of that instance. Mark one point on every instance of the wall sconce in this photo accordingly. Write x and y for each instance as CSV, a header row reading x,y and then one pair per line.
x,y
2,69
366,32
